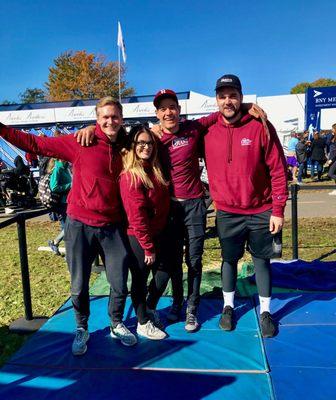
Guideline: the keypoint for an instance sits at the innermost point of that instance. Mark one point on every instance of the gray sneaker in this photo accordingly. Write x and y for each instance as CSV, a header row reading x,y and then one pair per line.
x,y
191,323
126,337
54,247
150,331
79,346
155,318
174,313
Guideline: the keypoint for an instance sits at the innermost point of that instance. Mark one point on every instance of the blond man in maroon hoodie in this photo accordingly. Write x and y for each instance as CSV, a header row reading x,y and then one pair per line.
x,y
94,214
247,178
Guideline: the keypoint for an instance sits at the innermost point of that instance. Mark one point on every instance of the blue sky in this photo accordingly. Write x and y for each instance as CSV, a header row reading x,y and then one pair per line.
x,y
183,45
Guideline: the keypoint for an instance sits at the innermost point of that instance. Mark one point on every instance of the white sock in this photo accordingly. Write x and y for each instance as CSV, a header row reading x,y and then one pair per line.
x,y
228,298
265,304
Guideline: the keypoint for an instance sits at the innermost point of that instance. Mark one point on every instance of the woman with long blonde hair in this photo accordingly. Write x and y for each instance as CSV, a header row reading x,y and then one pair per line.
x,y
145,196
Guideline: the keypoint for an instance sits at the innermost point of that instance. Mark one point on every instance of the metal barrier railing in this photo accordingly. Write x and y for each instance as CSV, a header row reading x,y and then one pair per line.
x,y
294,197
27,323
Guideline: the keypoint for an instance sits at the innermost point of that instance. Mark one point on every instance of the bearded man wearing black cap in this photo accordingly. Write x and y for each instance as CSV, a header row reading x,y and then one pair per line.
x,y
247,178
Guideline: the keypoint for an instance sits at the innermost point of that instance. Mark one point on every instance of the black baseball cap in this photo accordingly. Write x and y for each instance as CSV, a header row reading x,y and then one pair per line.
x,y
164,94
229,81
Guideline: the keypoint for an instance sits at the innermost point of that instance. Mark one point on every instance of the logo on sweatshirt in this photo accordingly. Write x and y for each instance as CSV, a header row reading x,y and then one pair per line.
x,y
246,142
180,142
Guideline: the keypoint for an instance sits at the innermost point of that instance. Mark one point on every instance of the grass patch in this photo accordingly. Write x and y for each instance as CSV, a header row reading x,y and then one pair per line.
x,y
49,277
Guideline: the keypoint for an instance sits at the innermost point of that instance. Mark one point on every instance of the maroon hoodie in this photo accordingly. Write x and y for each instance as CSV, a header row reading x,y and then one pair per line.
x,y
246,169
179,153
94,197
146,209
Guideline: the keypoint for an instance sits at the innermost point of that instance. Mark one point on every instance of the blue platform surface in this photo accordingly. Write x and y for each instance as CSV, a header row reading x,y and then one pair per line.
x,y
209,364
27,383
304,308
304,275
291,383
210,349
302,357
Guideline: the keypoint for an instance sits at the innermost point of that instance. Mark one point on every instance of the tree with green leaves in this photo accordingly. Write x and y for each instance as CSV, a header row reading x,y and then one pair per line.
x,y
321,82
81,75
33,96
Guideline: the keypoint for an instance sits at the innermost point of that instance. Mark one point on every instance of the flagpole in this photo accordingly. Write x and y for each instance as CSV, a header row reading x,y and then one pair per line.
x,y
119,73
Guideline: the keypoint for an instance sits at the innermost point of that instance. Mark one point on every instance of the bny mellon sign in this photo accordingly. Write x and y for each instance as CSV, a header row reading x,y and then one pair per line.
x,y
317,99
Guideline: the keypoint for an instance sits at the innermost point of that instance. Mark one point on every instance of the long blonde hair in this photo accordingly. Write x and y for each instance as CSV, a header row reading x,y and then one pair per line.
x,y
135,166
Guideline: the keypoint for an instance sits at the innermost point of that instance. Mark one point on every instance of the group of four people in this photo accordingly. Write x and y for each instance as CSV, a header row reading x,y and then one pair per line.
x,y
159,182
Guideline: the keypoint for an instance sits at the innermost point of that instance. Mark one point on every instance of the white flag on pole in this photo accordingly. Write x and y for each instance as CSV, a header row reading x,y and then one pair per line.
x,y
121,43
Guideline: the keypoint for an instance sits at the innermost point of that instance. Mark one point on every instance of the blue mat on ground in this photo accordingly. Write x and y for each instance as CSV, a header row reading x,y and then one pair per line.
x,y
303,275
207,350
302,357
209,364
27,383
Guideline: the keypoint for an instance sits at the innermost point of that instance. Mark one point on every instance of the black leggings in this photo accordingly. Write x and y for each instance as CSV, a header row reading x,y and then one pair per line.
x,y
140,271
262,272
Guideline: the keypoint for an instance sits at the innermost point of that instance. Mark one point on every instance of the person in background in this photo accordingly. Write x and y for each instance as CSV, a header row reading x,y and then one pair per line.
x,y
318,156
332,158
32,160
60,182
301,156
291,160
145,197
43,161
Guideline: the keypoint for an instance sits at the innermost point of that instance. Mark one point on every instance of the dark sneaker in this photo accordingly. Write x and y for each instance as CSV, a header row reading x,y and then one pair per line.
x,y
191,324
174,313
268,328
226,320
54,247
79,346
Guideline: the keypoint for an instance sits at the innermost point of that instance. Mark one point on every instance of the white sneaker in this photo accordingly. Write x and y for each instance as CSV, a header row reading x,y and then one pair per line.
x,y
150,331
126,337
155,318
332,193
9,210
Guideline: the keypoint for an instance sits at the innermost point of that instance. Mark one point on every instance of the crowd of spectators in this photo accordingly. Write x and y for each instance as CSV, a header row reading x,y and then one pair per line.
x,y
309,156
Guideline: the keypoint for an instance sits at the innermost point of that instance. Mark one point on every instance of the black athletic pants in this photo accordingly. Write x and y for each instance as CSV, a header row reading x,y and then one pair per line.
x,y
186,225
83,243
140,272
235,231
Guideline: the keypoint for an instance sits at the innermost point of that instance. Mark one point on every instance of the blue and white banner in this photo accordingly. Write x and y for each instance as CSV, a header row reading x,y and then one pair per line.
x,y
317,99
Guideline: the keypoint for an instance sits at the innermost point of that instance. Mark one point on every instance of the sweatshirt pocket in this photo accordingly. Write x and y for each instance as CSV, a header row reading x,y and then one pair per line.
x,y
241,191
100,194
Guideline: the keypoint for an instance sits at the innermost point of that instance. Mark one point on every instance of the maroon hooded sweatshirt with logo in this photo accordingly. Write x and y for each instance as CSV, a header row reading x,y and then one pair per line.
x,y
94,198
246,168
146,209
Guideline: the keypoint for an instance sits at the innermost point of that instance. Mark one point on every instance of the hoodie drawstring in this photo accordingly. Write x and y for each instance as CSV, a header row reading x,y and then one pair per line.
x,y
229,155
110,159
